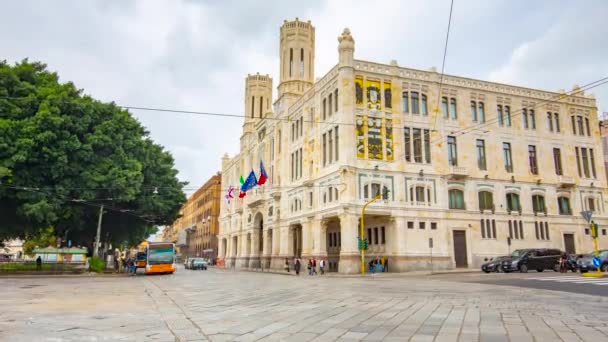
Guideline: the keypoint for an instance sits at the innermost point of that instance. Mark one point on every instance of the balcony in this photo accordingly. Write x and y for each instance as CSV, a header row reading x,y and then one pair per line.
x,y
457,172
565,181
255,197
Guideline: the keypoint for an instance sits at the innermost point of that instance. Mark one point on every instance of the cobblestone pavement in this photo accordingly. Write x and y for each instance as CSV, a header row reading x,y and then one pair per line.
x,y
243,306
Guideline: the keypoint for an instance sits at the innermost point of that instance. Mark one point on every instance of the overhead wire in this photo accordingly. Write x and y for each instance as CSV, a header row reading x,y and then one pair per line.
x,y
445,52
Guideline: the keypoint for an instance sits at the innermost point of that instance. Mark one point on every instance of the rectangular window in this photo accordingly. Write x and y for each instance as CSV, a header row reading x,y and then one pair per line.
x,y
376,241
556,116
407,146
433,225
452,152
592,159
506,152
417,145
453,108
557,161
405,101
521,229
330,104
473,111
481,154
494,228
261,105
532,159
587,126
301,125
410,225
424,107
585,161
547,231
524,117
370,237
510,229
536,230
421,224
482,113
444,107
532,119
383,235
427,146
591,204
499,115
508,116
578,162
579,125
483,228
550,121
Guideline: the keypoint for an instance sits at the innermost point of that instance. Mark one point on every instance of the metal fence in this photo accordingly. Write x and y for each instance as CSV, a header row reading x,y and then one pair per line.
x,y
28,266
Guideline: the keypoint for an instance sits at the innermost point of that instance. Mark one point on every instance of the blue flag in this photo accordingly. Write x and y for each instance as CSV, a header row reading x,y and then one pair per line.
x,y
250,182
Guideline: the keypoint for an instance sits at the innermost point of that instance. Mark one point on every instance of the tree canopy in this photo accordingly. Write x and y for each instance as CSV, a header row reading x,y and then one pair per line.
x,y
63,154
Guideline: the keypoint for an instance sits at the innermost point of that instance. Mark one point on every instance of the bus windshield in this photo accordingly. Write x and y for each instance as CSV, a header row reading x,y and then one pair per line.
x,y
161,254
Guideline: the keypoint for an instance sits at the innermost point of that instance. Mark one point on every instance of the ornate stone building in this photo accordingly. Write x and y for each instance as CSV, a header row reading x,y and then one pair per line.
x,y
480,168
195,231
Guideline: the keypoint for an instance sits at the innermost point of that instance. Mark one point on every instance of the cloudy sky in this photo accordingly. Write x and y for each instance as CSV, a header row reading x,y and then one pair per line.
x,y
194,55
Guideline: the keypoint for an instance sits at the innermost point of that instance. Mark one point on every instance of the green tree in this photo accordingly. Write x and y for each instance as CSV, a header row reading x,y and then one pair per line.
x,y
45,238
63,154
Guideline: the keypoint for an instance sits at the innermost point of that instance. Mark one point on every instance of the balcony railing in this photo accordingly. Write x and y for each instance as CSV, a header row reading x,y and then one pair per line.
x,y
565,181
456,172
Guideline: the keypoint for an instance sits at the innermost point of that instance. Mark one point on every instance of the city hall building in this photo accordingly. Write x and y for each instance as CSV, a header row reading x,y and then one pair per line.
x,y
474,169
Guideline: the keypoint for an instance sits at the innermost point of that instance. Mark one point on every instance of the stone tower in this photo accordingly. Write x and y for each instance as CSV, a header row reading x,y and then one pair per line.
x,y
297,49
258,96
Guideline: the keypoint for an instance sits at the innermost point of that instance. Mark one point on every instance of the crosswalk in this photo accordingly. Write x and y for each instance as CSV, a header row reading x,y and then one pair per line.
x,y
573,280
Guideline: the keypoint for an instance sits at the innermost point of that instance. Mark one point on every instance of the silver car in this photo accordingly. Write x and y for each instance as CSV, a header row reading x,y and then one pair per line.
x,y
585,263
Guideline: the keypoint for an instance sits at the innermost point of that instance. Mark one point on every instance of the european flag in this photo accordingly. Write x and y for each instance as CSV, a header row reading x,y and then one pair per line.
x,y
250,182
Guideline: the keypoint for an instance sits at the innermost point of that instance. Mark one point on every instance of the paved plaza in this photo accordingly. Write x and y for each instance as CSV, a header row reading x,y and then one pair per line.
x,y
220,305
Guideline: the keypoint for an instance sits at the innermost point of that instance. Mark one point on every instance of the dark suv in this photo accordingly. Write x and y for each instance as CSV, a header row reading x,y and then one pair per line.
x,y
534,259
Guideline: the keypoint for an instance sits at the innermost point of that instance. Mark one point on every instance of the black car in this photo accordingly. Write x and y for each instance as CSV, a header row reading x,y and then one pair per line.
x,y
585,263
494,264
539,259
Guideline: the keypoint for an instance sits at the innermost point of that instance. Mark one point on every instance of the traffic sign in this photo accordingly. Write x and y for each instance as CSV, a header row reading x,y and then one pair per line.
x,y
597,262
587,215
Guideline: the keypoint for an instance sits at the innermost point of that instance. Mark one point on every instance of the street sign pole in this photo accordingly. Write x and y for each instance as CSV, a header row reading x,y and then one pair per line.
x,y
362,230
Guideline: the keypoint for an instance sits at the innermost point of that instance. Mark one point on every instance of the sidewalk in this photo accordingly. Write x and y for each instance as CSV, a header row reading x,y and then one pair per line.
x,y
367,274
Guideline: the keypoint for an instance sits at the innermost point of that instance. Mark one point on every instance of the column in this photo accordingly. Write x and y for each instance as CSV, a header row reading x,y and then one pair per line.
x,y
286,244
350,260
319,235
307,238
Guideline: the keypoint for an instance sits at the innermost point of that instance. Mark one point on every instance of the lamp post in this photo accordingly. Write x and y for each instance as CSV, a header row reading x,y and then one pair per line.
x,y
362,227
96,251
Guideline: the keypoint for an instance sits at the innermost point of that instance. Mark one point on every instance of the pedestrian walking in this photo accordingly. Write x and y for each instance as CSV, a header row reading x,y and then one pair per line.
x,y
133,266
286,264
322,266
39,263
297,265
314,266
382,260
309,267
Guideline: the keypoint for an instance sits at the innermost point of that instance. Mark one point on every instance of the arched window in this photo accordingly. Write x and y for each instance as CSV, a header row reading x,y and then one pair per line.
x,y
453,108
538,203
415,102
482,113
405,102
424,107
513,202
456,198
444,107
563,204
486,200
473,111
420,194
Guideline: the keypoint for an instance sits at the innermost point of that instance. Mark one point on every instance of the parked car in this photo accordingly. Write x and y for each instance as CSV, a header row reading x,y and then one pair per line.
x,y
585,263
539,259
198,264
494,264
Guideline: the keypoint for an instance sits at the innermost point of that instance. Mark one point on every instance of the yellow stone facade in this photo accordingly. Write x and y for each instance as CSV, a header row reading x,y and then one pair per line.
x,y
195,231
481,168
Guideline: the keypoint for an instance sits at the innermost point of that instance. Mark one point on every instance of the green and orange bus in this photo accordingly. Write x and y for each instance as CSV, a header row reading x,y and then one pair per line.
x,y
160,257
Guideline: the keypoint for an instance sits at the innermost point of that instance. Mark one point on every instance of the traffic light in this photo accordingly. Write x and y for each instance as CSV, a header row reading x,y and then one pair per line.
x,y
359,243
594,229
385,192
365,244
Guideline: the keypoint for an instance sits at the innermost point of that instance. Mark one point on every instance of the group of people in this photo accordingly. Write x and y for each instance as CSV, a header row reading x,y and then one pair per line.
x,y
311,266
129,265
378,265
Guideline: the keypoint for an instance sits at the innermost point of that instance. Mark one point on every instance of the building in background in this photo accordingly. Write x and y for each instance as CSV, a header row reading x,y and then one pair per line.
x,y
474,169
195,231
